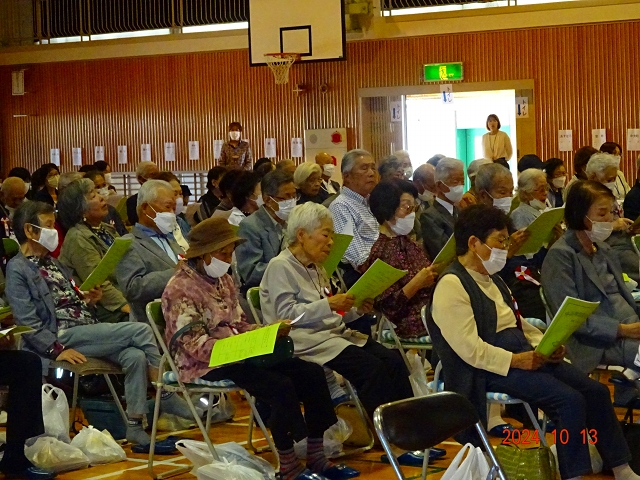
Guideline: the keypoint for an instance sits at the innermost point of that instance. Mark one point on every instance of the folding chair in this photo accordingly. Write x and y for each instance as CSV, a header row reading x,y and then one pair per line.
x,y
424,422
11,247
388,337
169,381
93,366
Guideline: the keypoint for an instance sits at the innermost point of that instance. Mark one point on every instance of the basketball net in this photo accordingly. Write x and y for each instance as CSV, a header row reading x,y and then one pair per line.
x,y
280,63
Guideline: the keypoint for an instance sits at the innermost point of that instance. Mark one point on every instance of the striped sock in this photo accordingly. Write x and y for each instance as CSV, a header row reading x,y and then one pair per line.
x,y
290,466
316,459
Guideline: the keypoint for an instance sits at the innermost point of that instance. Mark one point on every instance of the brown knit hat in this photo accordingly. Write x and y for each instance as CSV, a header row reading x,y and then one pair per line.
x,y
211,235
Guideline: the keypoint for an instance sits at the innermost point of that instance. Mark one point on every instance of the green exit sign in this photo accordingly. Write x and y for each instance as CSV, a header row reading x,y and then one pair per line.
x,y
440,72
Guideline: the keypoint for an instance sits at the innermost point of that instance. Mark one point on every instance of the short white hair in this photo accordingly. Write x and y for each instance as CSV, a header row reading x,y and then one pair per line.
x,y
446,167
150,191
472,169
304,171
144,168
599,162
402,155
349,159
308,217
528,179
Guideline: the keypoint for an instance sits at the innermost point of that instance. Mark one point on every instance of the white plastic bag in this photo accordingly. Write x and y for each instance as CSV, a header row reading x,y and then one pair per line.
x,y
49,453
55,412
418,376
334,437
474,466
99,447
226,470
198,454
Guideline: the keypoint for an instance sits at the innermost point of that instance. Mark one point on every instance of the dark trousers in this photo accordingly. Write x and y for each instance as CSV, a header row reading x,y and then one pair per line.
x,y
21,371
378,374
283,387
572,400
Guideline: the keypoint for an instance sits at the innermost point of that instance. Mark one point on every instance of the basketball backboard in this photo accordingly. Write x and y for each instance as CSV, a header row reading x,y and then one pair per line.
x,y
313,28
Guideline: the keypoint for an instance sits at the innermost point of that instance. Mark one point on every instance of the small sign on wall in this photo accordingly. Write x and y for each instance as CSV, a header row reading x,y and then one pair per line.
x,y
169,152
522,107
76,156
55,156
296,147
598,137
446,93
565,140
194,150
217,148
396,111
122,154
633,140
99,153
270,147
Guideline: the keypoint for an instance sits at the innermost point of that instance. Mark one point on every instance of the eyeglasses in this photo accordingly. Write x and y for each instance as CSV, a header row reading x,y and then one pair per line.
x,y
280,199
407,208
504,242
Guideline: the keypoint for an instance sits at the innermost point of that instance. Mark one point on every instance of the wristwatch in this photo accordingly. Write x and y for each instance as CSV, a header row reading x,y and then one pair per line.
x,y
55,350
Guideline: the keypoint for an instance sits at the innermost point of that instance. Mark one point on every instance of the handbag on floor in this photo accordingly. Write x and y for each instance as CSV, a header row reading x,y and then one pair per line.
x,y
527,463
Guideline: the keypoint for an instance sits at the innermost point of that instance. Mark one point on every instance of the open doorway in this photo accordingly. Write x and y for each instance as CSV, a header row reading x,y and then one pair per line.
x,y
456,129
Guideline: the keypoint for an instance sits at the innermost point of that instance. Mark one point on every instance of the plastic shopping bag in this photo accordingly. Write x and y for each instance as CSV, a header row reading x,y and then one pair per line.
x,y
226,470
198,454
474,466
55,412
418,376
334,438
49,453
99,447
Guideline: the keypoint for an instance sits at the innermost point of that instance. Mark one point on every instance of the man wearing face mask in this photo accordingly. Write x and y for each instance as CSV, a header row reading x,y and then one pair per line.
x,y
328,169
405,163
144,172
13,193
424,180
149,263
263,229
235,153
437,221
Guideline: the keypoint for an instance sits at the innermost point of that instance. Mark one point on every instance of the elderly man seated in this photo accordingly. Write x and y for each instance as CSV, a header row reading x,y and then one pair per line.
x,y
405,162
295,283
331,187
390,167
151,260
437,220
66,329
144,172
13,192
423,179
469,198
263,230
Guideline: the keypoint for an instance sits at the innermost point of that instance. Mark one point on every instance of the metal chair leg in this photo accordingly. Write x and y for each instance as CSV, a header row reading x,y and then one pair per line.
x,y
490,452
534,420
425,463
209,412
267,435
74,402
114,394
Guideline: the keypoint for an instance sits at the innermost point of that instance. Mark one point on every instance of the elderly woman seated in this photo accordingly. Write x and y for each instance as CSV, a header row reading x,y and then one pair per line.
x,y
581,264
393,203
295,283
82,211
102,187
66,329
246,196
308,180
485,346
200,306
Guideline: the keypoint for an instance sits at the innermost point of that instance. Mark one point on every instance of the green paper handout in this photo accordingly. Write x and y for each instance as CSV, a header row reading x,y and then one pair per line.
x,y
107,265
260,341
541,230
340,244
375,280
15,330
446,255
571,314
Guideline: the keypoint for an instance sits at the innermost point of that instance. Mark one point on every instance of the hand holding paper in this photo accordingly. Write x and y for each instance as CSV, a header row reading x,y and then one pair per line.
x,y
107,265
541,231
260,341
375,280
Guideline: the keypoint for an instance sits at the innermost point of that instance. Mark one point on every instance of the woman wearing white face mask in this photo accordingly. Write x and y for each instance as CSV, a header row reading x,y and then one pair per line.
x,y
393,203
200,307
235,153
45,183
485,346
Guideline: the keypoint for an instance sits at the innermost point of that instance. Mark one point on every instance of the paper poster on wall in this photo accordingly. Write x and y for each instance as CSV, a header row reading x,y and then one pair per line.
x,y
76,156
270,147
446,93
194,150
522,107
396,111
565,140
217,148
598,137
633,140
169,152
99,153
145,152
296,147
122,154
55,156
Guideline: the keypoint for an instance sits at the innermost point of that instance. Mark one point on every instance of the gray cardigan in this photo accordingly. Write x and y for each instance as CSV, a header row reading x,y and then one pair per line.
x,y
569,271
144,271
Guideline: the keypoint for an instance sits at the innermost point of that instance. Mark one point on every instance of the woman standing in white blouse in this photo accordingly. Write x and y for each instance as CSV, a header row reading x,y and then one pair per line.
x,y
496,144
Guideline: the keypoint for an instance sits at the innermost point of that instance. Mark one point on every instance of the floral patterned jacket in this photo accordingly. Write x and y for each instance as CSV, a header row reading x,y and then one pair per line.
x,y
191,297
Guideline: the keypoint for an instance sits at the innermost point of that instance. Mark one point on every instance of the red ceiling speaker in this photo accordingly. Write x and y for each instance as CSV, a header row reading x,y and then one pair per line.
x,y
336,137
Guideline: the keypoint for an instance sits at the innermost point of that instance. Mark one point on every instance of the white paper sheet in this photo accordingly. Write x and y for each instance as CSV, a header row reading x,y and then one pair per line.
x,y
633,140
217,148
598,137
194,150
270,147
76,156
296,147
122,154
565,140
169,152
99,153
145,152
55,156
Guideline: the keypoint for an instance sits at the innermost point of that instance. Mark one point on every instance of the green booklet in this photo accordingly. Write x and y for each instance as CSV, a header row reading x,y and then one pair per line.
x,y
15,330
571,314
541,230
341,242
260,341
375,280
107,265
446,255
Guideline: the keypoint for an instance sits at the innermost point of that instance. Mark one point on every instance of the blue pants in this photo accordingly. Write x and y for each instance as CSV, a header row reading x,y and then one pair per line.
x,y
572,400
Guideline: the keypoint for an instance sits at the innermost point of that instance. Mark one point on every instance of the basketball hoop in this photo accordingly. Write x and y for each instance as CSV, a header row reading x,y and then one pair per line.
x,y
280,63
